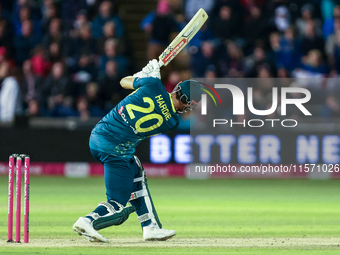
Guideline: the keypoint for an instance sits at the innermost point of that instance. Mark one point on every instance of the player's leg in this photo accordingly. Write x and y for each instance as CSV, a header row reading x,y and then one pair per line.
x,y
119,175
119,183
145,209
141,199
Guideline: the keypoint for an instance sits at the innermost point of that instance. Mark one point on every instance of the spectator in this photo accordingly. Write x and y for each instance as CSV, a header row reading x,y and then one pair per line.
x,y
40,65
283,73
54,33
55,42
50,13
310,40
289,53
274,40
307,12
25,42
94,101
25,15
30,84
264,71
254,61
26,3
282,18
210,73
69,10
335,58
326,9
173,79
110,90
33,109
110,49
333,46
82,109
81,20
61,106
85,106
105,15
10,97
312,66
109,31
235,62
55,90
84,72
83,45
206,56
225,25
252,35
236,6
45,7
328,26
55,53
34,12
158,28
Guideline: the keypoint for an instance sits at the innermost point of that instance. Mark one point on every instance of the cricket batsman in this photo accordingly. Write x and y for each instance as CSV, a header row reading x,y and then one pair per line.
x,y
149,110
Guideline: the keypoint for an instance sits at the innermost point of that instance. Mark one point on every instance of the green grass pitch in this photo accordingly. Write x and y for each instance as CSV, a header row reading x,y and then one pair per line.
x,y
210,216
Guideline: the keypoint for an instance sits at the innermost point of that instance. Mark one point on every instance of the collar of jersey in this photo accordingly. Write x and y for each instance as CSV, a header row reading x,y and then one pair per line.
x,y
172,103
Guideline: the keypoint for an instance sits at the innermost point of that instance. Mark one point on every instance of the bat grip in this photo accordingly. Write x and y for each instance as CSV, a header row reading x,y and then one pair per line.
x,y
160,63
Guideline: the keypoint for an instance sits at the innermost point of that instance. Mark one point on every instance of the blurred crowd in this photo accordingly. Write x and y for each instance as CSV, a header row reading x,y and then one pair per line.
x,y
296,43
61,58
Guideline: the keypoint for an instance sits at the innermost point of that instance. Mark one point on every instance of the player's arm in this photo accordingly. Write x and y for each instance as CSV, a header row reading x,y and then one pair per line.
x,y
127,82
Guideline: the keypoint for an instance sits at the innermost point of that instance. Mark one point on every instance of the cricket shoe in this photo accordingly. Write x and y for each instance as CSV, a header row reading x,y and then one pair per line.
x,y
154,233
84,228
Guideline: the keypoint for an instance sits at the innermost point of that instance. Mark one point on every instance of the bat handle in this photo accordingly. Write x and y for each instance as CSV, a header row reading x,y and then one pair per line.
x,y
160,63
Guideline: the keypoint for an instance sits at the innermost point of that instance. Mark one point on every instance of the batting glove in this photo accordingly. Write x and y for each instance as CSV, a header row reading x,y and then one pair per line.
x,y
140,74
150,70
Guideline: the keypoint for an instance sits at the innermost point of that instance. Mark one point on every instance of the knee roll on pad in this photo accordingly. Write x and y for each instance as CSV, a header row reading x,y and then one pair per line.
x,y
112,217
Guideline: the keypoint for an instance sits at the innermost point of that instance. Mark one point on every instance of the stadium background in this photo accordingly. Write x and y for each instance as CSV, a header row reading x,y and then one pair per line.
x,y
61,62
60,66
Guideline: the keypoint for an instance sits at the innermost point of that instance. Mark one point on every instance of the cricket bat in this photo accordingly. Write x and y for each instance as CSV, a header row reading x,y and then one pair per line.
x,y
183,38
